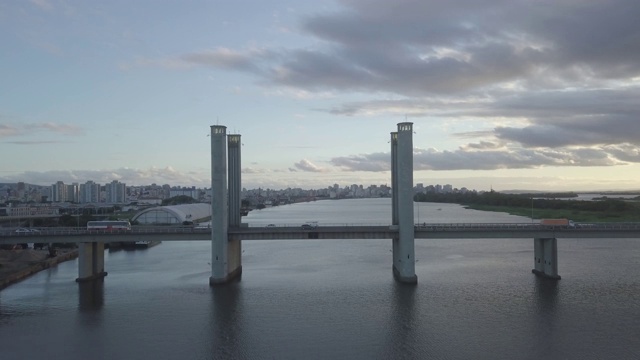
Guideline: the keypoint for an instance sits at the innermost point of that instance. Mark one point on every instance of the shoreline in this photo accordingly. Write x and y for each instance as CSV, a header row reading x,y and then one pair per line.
x,y
17,265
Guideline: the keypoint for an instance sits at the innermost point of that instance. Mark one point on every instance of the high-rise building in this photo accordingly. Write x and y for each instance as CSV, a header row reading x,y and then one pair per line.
x,y
73,193
116,192
58,192
89,192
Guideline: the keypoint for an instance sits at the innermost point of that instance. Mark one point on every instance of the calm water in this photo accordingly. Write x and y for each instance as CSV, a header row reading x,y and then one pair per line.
x,y
319,299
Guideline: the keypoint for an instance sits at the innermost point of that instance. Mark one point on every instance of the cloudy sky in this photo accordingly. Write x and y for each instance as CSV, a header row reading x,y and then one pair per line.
x,y
536,95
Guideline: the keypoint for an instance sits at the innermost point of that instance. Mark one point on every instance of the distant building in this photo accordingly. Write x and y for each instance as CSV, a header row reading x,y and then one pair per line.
x,y
191,192
73,193
58,192
115,192
174,214
89,192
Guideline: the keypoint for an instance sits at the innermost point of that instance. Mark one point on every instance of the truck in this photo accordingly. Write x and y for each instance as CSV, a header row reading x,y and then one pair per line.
x,y
557,222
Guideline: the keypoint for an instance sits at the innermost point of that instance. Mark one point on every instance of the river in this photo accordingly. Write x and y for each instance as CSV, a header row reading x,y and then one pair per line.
x,y
336,299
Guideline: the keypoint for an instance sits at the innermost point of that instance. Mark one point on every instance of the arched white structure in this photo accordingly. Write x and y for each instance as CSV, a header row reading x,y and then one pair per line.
x,y
173,214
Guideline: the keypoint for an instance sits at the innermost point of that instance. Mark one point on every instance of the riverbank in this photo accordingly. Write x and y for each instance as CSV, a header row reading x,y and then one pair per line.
x,y
575,215
16,265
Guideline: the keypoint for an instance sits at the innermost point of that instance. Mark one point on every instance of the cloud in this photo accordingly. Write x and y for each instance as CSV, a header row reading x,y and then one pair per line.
x,y
486,157
27,129
225,58
65,129
32,142
482,145
166,175
8,130
306,165
429,47
248,60
559,79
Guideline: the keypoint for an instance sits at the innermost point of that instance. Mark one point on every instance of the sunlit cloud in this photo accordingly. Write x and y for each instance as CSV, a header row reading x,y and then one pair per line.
x,y
306,165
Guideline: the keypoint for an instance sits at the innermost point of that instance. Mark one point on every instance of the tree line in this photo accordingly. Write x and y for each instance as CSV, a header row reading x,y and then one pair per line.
x,y
539,201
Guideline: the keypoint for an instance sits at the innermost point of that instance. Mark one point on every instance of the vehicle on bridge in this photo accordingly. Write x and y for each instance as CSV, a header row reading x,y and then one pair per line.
x,y
310,225
557,222
109,225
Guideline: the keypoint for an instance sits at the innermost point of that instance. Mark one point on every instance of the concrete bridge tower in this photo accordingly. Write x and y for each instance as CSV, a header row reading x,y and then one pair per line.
x,y
225,256
234,250
404,263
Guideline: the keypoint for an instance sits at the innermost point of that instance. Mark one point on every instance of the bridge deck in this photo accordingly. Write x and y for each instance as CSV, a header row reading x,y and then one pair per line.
x,y
422,231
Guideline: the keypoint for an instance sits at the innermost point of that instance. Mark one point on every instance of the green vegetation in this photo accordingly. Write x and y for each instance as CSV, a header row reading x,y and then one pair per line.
x,y
177,200
543,207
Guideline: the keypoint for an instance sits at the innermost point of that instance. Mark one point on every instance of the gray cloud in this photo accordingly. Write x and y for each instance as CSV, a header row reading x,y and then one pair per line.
x,y
225,58
7,130
166,175
557,73
470,159
32,142
429,47
364,162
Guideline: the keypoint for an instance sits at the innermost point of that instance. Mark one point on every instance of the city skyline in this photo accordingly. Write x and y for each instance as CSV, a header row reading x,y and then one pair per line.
x,y
502,95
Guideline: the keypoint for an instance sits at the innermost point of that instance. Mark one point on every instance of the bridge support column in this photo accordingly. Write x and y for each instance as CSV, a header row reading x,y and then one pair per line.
x,y
225,255
234,250
545,257
90,261
404,262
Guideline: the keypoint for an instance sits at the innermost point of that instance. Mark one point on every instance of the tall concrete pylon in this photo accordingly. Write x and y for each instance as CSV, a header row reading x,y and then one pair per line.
x,y
234,250
225,255
404,263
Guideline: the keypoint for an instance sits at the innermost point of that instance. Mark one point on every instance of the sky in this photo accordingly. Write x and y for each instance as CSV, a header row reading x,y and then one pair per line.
x,y
503,94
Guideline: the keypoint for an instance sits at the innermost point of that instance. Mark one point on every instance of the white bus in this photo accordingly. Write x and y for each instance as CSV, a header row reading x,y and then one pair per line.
x,y
109,225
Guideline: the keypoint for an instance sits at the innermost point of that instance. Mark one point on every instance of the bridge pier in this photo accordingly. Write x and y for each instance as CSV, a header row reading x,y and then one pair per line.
x,y
90,261
545,258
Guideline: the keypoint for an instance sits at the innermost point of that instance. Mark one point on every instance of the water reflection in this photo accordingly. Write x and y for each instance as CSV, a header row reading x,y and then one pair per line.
x,y
546,291
546,338
403,323
91,295
225,324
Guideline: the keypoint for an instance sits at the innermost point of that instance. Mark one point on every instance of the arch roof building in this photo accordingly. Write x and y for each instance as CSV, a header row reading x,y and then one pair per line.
x,y
174,214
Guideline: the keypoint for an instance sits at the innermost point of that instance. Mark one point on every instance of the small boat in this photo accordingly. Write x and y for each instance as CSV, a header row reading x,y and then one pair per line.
x,y
146,244
131,245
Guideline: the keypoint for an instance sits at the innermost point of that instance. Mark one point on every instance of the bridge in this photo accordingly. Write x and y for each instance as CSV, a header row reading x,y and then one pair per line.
x,y
227,231
325,232
334,231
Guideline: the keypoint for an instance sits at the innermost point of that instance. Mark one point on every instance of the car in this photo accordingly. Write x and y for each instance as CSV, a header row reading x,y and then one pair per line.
x,y
306,227
23,230
271,225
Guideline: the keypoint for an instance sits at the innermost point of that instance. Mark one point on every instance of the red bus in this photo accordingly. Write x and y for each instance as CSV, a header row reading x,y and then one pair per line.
x,y
109,225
